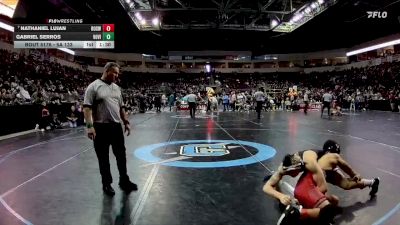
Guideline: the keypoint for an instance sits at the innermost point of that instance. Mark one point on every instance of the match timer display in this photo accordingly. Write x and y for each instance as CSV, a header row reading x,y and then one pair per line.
x,y
76,36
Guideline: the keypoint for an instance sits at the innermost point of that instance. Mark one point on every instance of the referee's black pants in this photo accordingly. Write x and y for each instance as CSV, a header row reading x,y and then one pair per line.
x,y
192,109
110,134
259,106
326,105
305,107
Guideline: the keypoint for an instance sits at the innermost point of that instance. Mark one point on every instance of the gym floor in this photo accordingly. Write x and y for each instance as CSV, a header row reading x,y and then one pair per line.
x,y
205,171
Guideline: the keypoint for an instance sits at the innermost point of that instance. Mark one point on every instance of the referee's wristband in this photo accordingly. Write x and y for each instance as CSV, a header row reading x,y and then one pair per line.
x,y
89,125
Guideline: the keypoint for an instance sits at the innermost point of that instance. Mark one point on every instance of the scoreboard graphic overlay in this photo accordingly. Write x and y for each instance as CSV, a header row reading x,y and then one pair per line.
x,y
84,36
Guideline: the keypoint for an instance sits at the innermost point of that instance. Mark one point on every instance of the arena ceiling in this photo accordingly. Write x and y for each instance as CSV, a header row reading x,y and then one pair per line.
x,y
224,24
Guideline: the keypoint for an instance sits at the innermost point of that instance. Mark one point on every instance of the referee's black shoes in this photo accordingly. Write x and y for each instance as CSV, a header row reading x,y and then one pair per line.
x,y
108,190
128,186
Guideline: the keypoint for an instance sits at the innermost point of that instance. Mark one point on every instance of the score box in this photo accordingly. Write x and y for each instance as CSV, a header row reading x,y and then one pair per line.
x,y
108,36
108,27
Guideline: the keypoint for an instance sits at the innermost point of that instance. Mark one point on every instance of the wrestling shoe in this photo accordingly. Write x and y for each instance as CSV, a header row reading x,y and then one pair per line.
x,y
328,213
374,187
266,178
290,216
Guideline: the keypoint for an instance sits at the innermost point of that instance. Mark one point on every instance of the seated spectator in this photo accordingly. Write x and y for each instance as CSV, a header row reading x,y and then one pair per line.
x,y
72,117
45,119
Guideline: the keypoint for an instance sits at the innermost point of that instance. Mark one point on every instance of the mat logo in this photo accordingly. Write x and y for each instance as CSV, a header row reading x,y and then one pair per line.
x,y
377,14
193,153
195,150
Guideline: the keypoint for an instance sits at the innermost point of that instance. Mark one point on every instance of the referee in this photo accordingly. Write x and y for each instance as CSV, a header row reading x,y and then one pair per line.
x,y
103,110
191,99
260,98
327,99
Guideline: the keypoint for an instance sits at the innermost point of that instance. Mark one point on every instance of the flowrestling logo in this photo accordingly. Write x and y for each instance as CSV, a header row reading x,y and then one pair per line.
x,y
377,14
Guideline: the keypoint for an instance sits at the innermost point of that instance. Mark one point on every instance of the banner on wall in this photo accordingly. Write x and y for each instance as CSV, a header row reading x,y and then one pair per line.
x,y
312,106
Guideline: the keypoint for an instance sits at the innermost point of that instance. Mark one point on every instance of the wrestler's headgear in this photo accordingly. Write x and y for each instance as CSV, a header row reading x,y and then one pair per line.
x,y
292,162
331,146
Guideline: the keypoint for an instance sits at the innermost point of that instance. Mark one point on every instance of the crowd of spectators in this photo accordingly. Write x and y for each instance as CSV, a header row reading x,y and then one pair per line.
x,y
357,85
25,79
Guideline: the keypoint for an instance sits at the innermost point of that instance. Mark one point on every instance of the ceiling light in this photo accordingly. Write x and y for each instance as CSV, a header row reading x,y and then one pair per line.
x,y
274,23
138,16
314,5
373,47
155,21
6,27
